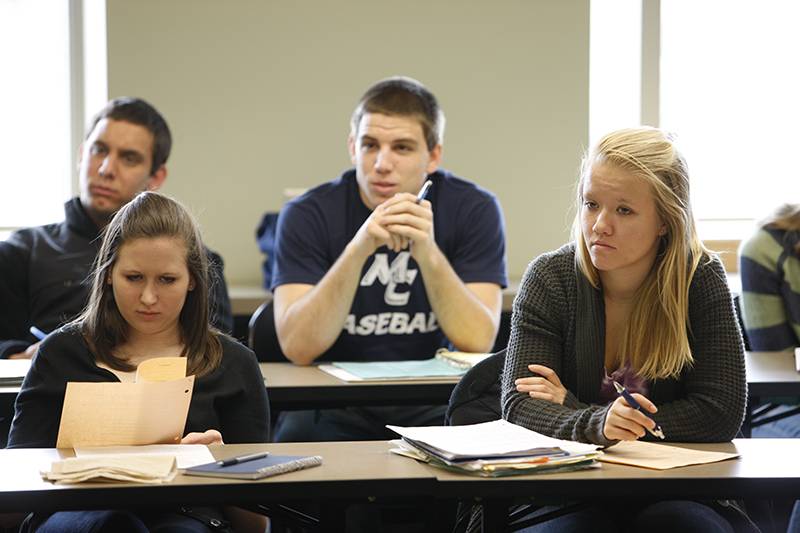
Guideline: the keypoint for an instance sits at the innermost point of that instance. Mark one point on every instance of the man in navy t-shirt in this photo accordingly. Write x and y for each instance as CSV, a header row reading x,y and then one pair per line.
x,y
365,271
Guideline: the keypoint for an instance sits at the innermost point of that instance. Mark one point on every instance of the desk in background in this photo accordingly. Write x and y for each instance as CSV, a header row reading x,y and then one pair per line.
x,y
292,387
769,375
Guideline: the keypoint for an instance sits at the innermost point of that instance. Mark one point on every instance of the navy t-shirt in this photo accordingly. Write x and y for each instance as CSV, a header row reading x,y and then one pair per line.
x,y
391,318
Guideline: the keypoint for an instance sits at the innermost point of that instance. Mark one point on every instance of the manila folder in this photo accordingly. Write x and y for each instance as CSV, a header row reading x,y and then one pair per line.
x,y
124,414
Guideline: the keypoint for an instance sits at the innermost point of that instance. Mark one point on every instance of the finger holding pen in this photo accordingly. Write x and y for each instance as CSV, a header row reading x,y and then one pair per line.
x,y
624,422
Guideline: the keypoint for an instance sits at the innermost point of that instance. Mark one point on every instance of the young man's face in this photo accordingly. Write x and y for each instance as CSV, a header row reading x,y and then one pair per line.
x,y
114,167
390,156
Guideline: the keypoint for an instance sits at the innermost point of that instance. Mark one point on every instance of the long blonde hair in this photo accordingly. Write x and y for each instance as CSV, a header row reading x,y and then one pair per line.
x,y
787,218
655,341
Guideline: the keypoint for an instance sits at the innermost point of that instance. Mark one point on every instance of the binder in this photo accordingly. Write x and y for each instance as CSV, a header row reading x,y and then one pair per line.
x,y
272,465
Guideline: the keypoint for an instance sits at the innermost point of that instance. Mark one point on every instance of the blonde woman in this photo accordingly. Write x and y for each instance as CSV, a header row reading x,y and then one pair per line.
x,y
635,299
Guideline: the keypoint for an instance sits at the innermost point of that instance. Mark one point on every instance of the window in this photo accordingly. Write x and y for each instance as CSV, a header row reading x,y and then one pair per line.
x,y
48,83
615,55
35,103
729,88
726,84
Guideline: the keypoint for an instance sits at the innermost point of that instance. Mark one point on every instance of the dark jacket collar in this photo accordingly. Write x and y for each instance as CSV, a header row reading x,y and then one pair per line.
x,y
78,220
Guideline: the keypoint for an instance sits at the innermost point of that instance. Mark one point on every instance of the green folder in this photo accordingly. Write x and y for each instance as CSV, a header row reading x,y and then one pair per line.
x,y
401,369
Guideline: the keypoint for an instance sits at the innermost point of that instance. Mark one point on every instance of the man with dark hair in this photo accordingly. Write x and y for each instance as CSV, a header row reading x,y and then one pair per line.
x,y
361,275
44,271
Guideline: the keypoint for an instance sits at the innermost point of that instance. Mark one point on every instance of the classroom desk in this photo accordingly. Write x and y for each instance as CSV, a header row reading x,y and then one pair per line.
x,y
772,374
769,375
350,472
766,469
293,387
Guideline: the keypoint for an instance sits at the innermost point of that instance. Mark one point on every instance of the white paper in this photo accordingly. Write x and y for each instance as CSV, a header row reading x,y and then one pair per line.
x,y
489,438
187,455
14,370
339,373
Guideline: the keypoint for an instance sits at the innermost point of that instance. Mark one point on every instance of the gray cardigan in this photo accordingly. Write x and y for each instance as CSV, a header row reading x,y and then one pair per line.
x,y
559,322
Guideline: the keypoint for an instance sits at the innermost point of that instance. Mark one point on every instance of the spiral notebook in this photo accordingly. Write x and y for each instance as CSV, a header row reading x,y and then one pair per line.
x,y
272,465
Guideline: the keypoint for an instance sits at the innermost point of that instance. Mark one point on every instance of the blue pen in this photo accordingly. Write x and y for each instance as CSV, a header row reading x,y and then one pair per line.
x,y
423,192
39,334
622,391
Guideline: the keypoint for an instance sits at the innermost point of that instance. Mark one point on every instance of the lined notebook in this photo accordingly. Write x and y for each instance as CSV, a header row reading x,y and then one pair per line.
x,y
272,465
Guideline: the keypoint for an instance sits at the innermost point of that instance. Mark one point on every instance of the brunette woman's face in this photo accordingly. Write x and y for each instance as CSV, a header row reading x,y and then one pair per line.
x,y
150,280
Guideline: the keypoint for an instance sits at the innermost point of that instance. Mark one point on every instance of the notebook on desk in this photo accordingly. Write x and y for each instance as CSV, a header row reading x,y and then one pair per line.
x,y
434,368
272,465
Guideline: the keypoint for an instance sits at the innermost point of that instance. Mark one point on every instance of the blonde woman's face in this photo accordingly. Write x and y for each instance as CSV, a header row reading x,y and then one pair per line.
x,y
619,221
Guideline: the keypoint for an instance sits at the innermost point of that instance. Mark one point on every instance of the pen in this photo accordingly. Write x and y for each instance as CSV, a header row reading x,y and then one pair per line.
x,y
622,391
242,459
423,192
39,334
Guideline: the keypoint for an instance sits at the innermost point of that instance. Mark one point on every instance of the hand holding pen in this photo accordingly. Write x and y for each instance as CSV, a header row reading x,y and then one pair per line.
x,y
630,416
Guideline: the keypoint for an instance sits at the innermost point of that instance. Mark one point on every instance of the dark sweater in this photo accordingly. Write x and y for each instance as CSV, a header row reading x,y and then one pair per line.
x,y
231,399
559,322
45,278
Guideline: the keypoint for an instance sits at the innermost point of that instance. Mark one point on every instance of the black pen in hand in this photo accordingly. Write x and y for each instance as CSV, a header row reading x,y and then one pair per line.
x,y
242,459
622,391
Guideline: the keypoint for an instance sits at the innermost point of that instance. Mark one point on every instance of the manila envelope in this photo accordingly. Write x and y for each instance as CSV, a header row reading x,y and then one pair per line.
x,y
161,369
124,414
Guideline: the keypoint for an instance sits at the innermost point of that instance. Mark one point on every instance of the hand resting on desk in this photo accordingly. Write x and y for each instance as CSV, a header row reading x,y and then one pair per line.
x,y
210,436
29,352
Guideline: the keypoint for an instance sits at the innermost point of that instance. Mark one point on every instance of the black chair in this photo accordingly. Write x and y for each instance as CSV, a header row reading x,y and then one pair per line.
x,y
476,397
262,337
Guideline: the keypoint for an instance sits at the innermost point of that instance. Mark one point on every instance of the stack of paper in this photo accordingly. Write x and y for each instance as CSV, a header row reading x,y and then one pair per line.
x,y
138,469
492,449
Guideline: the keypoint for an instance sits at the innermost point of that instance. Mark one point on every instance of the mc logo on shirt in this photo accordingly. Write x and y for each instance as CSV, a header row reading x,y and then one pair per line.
x,y
391,323
391,276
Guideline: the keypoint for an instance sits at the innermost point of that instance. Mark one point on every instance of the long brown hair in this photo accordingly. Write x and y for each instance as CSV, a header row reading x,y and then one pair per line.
x,y
151,215
655,340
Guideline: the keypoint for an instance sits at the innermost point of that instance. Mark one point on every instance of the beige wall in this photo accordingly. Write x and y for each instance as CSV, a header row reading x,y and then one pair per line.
x,y
258,95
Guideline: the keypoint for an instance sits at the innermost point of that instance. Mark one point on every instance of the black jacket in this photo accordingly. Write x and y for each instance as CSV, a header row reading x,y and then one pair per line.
x,y
232,399
44,278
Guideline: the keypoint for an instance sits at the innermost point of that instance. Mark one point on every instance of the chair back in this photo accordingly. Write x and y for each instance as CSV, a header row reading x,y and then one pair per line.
x,y
737,305
476,397
262,336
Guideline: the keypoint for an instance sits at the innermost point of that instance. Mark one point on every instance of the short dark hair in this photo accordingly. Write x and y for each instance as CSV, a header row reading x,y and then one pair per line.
x,y
403,96
137,111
